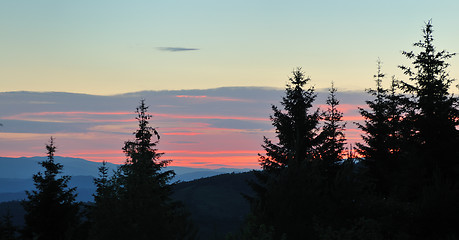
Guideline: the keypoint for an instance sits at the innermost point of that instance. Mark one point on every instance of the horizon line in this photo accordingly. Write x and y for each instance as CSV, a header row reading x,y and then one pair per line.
x,y
174,90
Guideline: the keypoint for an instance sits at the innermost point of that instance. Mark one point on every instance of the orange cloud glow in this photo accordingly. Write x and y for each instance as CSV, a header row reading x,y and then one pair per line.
x,y
191,135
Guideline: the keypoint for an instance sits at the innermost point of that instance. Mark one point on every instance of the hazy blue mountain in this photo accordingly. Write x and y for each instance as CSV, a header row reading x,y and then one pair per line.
x,y
24,167
16,175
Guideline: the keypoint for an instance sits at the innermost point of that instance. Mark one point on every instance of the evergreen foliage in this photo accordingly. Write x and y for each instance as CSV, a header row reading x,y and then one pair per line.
x,y
51,210
383,133
332,137
435,137
406,186
410,150
436,118
296,128
305,185
135,203
102,216
7,230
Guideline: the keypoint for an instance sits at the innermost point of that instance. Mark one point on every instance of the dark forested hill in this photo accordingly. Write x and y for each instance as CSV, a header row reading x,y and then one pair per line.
x,y
216,203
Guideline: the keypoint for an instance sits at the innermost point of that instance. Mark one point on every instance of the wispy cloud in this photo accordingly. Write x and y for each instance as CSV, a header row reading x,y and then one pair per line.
x,y
183,142
203,116
200,128
210,98
73,116
177,49
182,133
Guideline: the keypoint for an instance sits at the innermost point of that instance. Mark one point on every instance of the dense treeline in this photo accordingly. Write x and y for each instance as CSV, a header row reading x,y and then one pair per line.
x,y
401,182
405,183
132,203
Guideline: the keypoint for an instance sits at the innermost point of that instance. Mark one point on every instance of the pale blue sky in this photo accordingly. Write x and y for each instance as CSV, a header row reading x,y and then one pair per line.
x,y
107,47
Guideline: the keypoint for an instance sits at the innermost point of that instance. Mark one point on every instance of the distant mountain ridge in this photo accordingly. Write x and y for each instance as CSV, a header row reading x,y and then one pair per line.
x,y
25,167
216,204
16,175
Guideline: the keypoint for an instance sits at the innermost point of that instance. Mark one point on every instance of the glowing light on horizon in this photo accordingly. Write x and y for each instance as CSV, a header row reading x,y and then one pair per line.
x,y
192,140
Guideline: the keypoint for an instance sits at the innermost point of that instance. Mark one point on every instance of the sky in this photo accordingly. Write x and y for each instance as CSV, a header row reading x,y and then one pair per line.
x,y
108,51
210,128
110,47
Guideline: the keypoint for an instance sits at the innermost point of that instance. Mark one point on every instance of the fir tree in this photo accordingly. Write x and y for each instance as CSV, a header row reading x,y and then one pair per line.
x,y
287,187
296,128
432,168
103,218
436,117
7,230
140,192
383,133
51,210
332,137
146,192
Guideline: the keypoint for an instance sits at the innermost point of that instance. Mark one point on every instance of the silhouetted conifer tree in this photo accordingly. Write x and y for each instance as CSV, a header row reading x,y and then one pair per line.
x,y
297,197
437,114
296,128
433,163
140,192
410,149
7,230
332,138
51,210
383,133
103,218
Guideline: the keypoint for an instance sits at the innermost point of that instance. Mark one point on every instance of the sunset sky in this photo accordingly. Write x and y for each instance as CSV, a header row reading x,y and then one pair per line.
x,y
109,47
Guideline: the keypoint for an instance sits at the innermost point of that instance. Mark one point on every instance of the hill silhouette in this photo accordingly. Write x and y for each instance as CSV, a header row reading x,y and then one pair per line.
x,y
216,203
16,175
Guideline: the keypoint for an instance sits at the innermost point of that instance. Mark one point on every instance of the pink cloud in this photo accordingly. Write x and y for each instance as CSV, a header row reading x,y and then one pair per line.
x,y
235,152
211,146
182,133
353,118
345,108
189,96
217,162
222,117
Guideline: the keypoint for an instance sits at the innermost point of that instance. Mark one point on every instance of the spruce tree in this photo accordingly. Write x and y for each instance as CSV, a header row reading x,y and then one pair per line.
x,y
436,117
383,133
146,192
285,190
139,192
7,229
51,210
296,128
332,137
433,168
103,218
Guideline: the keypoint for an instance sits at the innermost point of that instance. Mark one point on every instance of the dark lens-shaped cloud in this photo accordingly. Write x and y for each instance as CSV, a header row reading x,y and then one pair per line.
x,y
177,49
